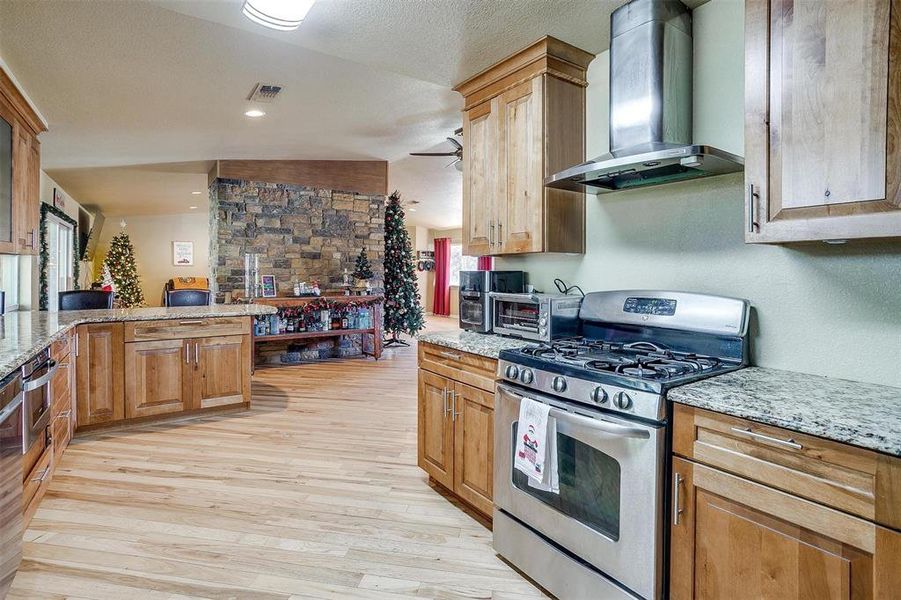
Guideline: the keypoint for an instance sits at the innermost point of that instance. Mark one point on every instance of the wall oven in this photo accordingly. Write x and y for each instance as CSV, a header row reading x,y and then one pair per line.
x,y
36,375
607,512
539,317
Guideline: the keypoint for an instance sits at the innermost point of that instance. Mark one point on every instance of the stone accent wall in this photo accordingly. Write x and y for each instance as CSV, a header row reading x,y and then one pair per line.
x,y
301,233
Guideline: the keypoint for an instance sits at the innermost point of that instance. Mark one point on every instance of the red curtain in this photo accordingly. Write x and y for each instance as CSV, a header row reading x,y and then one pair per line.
x,y
441,305
486,263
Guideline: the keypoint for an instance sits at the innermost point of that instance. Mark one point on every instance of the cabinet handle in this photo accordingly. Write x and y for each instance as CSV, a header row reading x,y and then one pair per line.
x,y
42,476
500,235
752,201
490,234
450,355
789,443
193,322
677,504
65,414
196,354
444,396
76,343
188,354
454,413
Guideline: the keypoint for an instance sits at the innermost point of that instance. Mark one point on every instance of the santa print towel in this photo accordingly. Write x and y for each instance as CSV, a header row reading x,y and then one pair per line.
x,y
551,481
531,443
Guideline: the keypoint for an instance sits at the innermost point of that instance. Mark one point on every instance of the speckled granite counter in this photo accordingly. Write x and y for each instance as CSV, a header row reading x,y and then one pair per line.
x,y
861,414
23,334
483,344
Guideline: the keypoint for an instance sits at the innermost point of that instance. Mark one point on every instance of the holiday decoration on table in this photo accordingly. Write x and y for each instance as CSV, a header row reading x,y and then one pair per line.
x,y
106,280
120,260
403,311
363,270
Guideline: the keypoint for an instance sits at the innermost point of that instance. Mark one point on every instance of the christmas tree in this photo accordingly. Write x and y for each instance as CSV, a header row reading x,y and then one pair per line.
x,y
363,270
403,312
121,263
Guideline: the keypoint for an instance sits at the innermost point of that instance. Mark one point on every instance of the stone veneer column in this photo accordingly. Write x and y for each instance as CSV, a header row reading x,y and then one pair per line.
x,y
301,233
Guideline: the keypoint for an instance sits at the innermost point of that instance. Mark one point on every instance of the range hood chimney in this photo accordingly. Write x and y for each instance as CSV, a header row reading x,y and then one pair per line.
x,y
650,106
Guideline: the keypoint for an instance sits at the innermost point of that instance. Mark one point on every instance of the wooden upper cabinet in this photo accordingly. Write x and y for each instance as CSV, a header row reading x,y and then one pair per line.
x,y
99,370
524,119
480,184
20,208
823,120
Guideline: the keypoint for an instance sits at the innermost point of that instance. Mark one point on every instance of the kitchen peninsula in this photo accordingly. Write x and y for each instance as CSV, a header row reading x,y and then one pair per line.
x,y
112,367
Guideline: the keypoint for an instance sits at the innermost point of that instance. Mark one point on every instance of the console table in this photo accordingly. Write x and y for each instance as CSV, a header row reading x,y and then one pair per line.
x,y
293,302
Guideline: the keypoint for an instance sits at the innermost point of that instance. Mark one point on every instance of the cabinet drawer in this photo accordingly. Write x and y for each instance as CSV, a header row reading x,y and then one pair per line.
x,y
145,331
61,348
60,382
471,369
853,480
37,478
61,430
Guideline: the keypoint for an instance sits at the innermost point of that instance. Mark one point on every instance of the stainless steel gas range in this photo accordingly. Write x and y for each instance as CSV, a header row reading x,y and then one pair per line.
x,y
602,535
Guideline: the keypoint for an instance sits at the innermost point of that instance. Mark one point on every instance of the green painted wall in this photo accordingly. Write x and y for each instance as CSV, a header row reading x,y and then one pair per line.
x,y
829,310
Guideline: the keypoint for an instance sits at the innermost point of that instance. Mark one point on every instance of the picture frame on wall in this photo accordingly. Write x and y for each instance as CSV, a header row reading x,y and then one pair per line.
x,y
183,254
268,285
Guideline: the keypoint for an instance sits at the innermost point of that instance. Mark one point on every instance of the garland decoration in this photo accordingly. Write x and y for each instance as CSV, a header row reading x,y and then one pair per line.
x,y
44,251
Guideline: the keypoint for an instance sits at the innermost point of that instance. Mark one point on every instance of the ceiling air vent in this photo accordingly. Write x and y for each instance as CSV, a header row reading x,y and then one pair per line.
x,y
264,93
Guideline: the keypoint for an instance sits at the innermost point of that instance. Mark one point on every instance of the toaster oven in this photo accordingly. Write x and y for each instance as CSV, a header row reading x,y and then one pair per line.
x,y
539,317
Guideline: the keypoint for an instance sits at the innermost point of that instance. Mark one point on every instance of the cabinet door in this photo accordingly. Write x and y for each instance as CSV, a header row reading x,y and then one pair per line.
x,y
435,428
521,208
221,370
473,416
823,87
480,179
744,541
99,369
32,207
8,180
158,378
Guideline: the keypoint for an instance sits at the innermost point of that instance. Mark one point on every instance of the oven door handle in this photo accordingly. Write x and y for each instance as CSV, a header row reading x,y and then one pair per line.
x,y
33,384
515,297
12,406
606,427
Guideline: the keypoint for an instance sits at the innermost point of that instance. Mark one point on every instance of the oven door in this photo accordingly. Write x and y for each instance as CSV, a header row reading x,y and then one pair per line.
x,y
473,311
610,507
516,315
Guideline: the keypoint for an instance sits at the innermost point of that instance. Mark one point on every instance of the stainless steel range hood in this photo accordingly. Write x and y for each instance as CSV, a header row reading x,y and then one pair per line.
x,y
650,106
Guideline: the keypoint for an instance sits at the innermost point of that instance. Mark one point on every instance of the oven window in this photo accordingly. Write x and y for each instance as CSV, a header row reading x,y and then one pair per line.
x,y
471,311
589,485
516,315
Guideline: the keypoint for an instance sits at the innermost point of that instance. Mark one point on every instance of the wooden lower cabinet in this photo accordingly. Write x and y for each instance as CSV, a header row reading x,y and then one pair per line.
x,y
456,437
159,377
222,371
100,365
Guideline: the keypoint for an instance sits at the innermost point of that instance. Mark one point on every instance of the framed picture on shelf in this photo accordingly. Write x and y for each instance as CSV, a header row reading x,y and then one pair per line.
x,y
268,285
183,254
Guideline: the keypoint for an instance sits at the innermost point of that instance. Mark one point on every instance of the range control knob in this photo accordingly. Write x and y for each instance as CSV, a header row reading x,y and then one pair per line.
x,y
542,321
559,385
512,372
526,376
599,395
622,401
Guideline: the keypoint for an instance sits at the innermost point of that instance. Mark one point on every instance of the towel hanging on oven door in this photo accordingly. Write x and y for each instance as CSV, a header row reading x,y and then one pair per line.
x,y
551,481
534,455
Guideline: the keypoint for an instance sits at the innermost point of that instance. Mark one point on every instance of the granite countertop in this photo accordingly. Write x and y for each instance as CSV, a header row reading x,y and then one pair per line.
x,y
482,344
861,414
25,333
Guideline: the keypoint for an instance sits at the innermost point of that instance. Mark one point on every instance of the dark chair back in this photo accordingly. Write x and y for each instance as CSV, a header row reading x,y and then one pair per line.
x,y
187,297
85,299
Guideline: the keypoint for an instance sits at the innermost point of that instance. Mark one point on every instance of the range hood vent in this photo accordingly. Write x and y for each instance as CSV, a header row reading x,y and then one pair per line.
x,y
650,106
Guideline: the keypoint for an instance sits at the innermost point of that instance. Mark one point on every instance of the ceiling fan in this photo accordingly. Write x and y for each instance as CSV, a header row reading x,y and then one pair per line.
x,y
457,152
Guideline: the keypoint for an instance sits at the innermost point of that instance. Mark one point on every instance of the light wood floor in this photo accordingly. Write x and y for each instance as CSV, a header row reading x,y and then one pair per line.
x,y
314,493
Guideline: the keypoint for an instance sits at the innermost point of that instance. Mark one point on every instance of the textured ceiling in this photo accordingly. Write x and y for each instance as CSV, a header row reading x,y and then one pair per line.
x,y
148,82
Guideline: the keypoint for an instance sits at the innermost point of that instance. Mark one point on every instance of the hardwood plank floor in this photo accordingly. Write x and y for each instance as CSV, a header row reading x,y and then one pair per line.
x,y
313,493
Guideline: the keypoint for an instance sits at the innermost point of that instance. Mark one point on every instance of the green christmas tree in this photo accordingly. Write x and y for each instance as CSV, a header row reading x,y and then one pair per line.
x,y
121,263
403,311
363,270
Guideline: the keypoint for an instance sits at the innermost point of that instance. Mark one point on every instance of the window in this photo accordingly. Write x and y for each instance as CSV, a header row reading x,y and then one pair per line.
x,y
458,263
9,279
59,259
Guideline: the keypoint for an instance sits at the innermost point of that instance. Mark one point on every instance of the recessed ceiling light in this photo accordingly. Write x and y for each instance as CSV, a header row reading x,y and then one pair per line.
x,y
254,113
196,193
192,207
282,15
411,209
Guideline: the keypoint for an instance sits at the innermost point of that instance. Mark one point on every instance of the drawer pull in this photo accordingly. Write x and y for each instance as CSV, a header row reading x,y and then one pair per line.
x,y
789,443
65,414
40,478
677,501
194,322
451,355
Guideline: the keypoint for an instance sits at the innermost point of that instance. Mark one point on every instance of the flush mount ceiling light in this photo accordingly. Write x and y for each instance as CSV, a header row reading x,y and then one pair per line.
x,y
254,114
282,15
196,193
192,207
